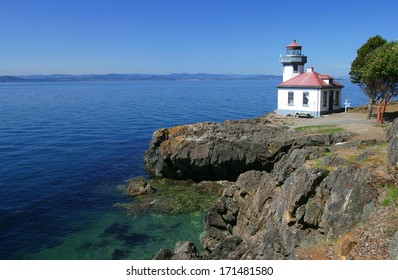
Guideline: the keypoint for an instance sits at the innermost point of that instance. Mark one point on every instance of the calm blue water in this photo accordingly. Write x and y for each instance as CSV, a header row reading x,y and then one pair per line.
x,y
64,147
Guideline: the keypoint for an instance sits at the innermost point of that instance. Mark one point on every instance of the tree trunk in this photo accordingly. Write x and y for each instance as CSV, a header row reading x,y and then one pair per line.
x,y
383,109
379,120
370,108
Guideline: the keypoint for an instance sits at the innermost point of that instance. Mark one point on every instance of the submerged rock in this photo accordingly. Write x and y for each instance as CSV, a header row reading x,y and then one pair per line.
x,y
139,186
173,197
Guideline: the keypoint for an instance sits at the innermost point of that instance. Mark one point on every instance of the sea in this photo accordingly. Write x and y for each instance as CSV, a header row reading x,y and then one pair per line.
x,y
66,147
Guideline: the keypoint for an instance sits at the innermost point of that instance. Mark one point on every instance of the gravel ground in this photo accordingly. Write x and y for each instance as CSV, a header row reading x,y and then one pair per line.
x,y
354,122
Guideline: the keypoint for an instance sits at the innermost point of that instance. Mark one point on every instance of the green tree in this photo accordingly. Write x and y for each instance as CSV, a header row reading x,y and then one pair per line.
x,y
368,87
381,71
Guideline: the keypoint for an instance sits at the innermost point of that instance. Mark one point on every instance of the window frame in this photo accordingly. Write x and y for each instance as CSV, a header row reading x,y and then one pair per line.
x,y
336,98
306,95
324,99
290,98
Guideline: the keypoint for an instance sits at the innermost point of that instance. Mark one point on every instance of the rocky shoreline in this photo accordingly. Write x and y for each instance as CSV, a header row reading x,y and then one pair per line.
x,y
288,190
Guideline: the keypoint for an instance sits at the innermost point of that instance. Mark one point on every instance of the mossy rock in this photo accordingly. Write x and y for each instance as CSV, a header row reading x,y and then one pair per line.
x,y
174,197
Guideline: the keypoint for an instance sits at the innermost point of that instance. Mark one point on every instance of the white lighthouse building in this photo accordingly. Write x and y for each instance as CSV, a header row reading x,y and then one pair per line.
x,y
305,92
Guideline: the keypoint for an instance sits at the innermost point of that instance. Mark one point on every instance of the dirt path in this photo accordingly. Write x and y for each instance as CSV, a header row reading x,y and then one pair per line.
x,y
354,122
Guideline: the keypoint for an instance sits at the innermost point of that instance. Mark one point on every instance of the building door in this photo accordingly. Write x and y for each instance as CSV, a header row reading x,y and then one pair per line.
x,y
331,100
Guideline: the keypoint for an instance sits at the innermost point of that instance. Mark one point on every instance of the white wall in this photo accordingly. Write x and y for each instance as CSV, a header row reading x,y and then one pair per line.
x,y
288,72
315,101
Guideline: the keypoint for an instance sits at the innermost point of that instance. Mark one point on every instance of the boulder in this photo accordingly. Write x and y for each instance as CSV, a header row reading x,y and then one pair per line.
x,y
185,250
225,247
139,186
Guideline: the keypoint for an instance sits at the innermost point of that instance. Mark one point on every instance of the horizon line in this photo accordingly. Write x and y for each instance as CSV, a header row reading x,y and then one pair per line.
x,y
138,73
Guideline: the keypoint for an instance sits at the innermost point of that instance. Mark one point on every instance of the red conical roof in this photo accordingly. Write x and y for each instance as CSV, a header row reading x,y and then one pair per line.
x,y
293,45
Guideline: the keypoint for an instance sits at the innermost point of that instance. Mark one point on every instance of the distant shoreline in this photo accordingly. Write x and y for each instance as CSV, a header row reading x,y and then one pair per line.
x,y
134,77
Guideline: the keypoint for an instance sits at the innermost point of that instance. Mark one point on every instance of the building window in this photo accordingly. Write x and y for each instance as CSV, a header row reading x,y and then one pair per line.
x,y
336,98
325,98
295,68
306,94
290,100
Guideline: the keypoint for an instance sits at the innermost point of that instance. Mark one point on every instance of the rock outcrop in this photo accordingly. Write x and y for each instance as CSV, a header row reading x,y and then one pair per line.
x,y
392,137
273,220
287,189
222,151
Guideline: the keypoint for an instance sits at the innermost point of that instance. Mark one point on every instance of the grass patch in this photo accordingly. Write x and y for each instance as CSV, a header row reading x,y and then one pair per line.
x,y
317,163
391,196
373,154
383,126
319,129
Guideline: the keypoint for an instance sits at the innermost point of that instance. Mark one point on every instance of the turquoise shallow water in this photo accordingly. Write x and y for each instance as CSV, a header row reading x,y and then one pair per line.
x,y
66,146
115,236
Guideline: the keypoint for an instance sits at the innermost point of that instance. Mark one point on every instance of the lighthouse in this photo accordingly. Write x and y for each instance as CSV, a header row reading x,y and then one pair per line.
x,y
293,62
305,93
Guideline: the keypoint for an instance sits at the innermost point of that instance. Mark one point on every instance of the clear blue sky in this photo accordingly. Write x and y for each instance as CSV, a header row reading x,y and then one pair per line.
x,y
174,36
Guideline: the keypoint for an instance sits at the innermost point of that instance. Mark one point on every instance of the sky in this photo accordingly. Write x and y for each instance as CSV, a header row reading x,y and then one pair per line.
x,y
185,36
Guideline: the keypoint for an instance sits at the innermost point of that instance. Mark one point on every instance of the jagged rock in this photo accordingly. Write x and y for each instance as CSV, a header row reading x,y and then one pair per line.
x,y
224,249
273,220
222,151
220,219
350,190
139,186
334,161
163,254
185,250
392,137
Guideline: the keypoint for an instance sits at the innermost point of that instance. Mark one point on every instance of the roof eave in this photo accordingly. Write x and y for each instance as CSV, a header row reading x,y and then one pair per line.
x,y
301,86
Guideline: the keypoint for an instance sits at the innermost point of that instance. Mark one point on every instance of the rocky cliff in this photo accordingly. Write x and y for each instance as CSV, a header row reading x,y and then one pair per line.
x,y
272,220
290,189
222,151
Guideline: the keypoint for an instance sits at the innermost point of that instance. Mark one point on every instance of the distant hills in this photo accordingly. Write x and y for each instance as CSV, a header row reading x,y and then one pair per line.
x,y
134,77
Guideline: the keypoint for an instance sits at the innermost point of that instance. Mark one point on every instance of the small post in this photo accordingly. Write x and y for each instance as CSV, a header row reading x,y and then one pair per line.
x,y
346,105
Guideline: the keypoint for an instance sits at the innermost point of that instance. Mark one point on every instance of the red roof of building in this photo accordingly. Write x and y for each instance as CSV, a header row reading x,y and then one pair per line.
x,y
310,80
293,45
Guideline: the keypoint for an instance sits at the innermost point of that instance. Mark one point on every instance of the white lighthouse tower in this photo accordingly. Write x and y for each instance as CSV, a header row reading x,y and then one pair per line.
x,y
293,62
305,93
